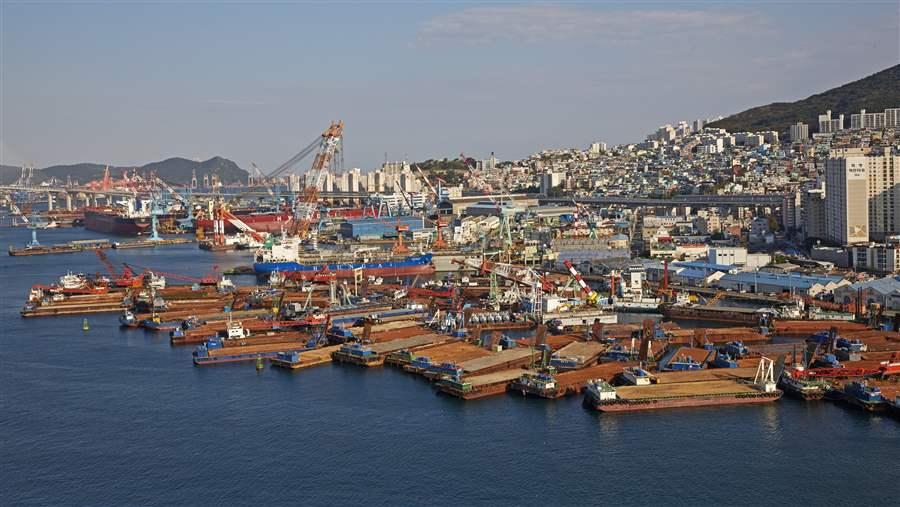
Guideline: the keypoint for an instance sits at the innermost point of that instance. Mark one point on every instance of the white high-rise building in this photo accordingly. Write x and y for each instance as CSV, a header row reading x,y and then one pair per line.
x,y
829,125
847,192
799,132
865,120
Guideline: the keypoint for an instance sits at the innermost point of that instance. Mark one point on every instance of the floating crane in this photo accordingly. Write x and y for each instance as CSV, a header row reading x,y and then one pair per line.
x,y
126,278
209,279
305,207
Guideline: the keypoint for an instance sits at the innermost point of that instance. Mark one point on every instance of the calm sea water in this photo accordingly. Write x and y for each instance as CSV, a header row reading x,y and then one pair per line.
x,y
118,417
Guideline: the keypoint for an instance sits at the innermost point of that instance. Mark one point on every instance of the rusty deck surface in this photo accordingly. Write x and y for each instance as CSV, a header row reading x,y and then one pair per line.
x,y
497,359
588,350
456,352
715,335
396,334
496,377
578,378
705,375
698,355
387,326
716,387
407,343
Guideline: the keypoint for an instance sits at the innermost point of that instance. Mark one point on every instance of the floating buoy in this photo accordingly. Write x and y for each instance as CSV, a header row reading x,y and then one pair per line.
x,y
259,362
84,325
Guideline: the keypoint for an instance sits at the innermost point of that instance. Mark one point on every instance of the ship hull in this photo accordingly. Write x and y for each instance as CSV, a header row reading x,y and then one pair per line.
x,y
682,402
111,223
274,222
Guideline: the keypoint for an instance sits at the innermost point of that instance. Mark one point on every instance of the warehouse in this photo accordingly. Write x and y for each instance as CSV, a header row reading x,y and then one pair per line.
x,y
795,283
374,228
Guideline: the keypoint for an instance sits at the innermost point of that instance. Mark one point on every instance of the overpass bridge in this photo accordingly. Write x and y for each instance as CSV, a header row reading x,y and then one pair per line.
x,y
679,200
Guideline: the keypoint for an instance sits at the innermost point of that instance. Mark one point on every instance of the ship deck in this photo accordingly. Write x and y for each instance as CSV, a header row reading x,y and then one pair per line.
x,y
588,350
508,358
407,343
457,352
705,375
504,376
684,389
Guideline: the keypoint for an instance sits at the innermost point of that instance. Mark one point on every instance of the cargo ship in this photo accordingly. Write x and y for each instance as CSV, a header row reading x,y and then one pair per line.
x,y
740,315
284,255
274,221
113,221
601,396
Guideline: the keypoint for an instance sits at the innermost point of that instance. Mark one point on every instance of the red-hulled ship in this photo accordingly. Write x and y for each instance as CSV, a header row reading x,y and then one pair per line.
x,y
112,221
274,221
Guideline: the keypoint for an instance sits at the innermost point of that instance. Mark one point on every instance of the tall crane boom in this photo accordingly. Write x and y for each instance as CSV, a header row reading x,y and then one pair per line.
x,y
305,208
588,292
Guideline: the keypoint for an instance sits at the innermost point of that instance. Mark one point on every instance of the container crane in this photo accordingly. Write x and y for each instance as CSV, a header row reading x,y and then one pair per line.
x,y
305,208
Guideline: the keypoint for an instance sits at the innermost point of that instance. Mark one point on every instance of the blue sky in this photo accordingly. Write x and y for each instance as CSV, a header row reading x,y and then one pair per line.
x,y
129,83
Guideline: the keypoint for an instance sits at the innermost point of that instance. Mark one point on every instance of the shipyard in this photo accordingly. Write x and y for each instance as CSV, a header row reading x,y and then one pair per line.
x,y
420,253
504,296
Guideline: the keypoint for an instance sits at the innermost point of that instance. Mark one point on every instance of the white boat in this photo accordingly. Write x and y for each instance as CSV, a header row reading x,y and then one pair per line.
x,y
73,281
235,331
225,285
637,376
155,281
276,278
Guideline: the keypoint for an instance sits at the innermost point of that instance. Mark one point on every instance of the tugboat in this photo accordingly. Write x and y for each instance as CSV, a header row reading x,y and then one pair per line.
x,y
598,392
637,376
866,397
541,385
127,319
723,361
418,364
683,363
795,383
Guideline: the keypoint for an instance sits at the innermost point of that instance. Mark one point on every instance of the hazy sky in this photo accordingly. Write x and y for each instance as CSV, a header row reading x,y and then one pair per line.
x,y
132,83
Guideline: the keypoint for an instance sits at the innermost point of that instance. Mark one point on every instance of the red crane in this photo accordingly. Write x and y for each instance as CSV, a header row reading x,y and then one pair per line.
x,y
208,279
124,279
305,208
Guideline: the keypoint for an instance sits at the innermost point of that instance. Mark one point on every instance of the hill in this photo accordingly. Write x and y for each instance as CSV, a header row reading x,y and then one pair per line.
x,y
176,171
874,93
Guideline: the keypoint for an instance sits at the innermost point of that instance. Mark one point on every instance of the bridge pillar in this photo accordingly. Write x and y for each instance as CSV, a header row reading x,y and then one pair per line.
x,y
49,201
68,201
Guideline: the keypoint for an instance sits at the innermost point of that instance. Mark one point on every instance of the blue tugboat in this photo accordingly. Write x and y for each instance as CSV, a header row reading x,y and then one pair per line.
x,y
866,397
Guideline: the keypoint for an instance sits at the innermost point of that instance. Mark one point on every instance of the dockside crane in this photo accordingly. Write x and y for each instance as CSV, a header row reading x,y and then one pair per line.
x,y
589,295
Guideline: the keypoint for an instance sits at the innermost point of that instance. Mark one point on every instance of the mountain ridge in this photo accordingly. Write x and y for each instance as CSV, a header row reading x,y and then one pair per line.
x,y
874,93
173,170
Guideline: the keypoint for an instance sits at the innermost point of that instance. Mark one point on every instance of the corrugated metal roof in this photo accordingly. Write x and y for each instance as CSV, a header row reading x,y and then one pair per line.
x,y
791,280
885,285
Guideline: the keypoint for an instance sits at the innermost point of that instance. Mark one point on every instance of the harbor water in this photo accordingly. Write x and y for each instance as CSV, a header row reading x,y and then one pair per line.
x,y
111,416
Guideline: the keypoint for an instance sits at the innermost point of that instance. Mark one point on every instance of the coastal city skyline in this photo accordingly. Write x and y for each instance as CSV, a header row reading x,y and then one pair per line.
x,y
429,80
425,253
